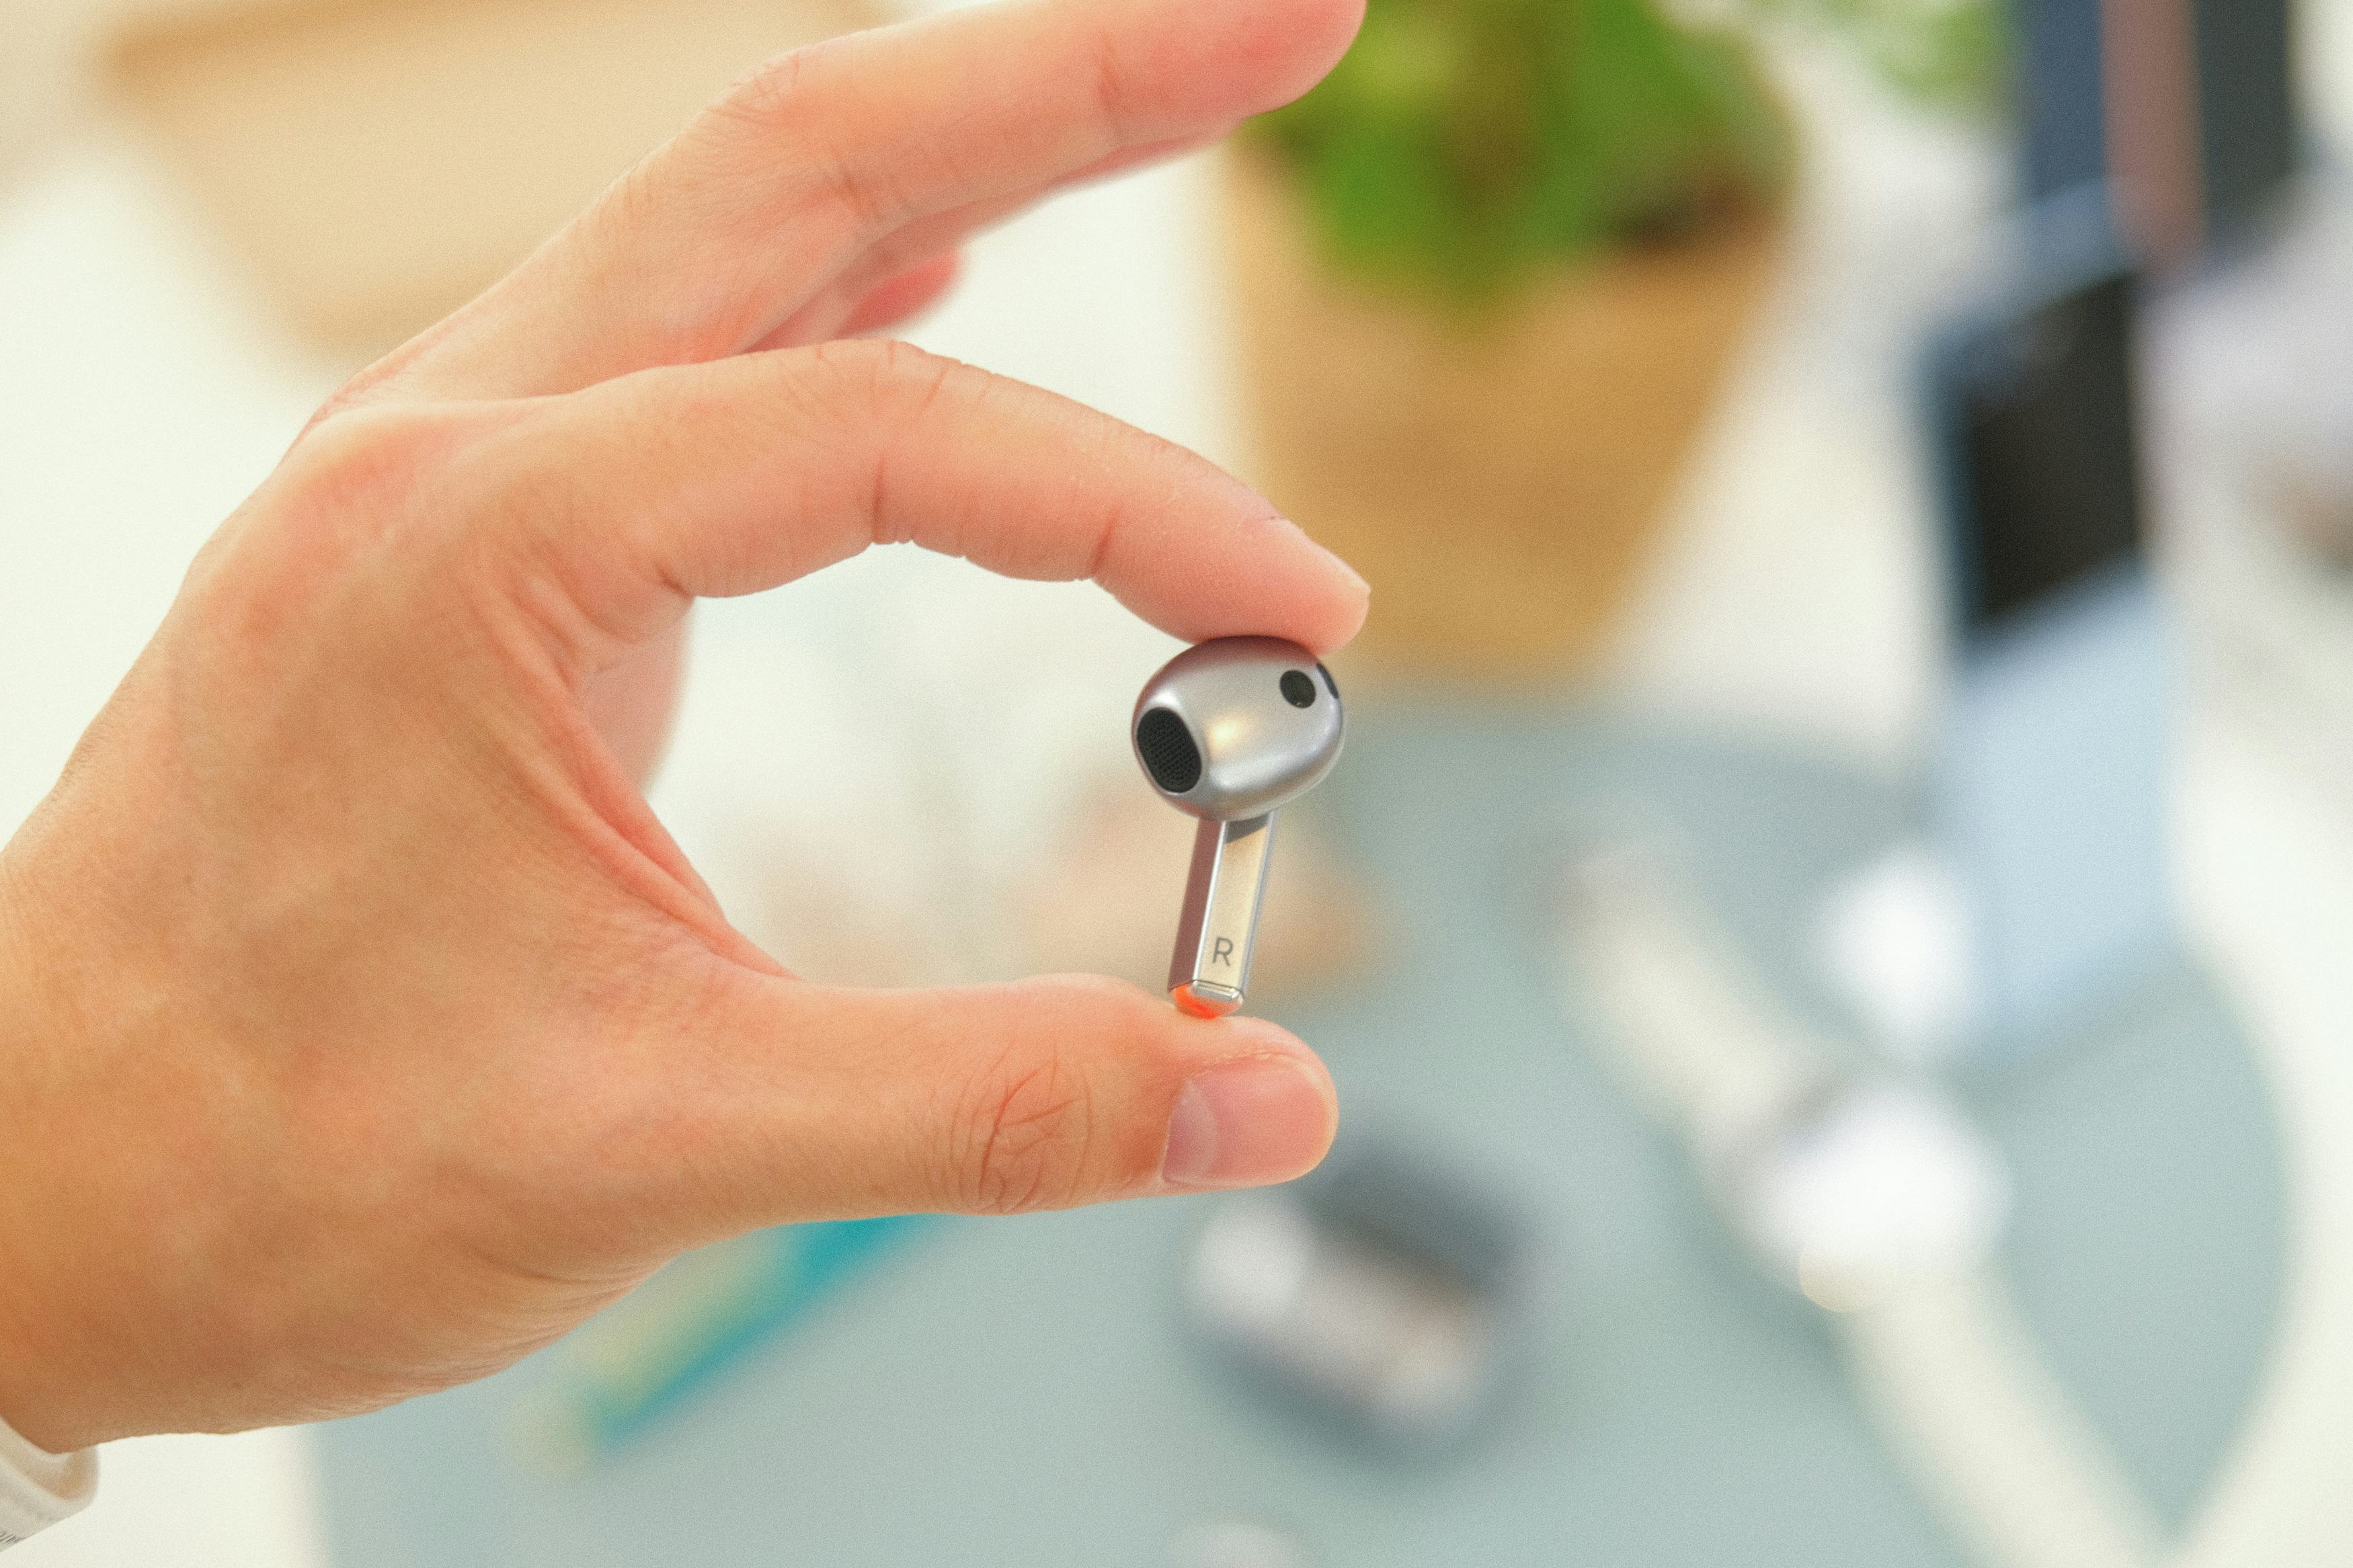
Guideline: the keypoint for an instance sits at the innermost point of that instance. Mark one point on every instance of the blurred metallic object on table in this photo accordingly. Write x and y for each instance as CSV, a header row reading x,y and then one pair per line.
x,y
1381,1297
1238,1543
1868,1194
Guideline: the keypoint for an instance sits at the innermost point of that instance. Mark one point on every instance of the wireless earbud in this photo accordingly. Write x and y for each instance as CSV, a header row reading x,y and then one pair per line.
x,y
1228,731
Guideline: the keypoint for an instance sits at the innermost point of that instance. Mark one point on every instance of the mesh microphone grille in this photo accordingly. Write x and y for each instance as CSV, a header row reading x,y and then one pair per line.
x,y
1169,751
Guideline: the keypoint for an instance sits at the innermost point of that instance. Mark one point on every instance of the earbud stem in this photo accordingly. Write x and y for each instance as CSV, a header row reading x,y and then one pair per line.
x,y
1210,972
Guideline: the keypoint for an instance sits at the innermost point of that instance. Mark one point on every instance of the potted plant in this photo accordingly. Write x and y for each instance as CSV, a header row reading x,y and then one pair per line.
x,y
1491,273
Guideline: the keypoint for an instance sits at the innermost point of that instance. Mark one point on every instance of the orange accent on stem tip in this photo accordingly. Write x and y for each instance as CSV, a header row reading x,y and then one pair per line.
x,y
1190,1001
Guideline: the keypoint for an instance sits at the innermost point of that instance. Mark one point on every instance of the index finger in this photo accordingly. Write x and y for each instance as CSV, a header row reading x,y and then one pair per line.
x,y
719,236
637,496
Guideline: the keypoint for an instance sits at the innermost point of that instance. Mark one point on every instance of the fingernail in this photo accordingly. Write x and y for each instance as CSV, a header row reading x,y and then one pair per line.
x,y
1245,1123
1345,570
1363,587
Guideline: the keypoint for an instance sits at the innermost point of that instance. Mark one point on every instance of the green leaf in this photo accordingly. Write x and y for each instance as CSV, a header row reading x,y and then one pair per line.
x,y
1461,147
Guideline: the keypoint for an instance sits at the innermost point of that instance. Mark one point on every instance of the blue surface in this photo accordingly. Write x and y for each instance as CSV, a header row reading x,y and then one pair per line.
x,y
2051,799
1018,1392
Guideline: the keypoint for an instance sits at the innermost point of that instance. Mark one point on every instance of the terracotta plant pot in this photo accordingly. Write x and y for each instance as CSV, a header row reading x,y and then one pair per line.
x,y
1500,478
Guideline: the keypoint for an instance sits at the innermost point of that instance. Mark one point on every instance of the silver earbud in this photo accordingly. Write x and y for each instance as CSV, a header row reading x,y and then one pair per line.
x,y
1228,731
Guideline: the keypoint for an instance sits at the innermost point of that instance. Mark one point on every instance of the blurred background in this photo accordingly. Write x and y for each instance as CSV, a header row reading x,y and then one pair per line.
x,y
1832,929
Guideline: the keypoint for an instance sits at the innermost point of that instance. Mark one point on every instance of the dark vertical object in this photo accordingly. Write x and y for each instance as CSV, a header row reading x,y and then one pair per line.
x,y
2247,133
2037,427
2063,84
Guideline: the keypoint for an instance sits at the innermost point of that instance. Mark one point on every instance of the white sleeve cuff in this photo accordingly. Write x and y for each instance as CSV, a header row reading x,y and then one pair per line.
x,y
38,1488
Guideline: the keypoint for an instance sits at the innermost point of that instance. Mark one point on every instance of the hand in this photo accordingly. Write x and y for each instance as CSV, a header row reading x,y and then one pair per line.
x,y
361,1030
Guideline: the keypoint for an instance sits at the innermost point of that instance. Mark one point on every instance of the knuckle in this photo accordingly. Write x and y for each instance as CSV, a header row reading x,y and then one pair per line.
x,y
373,468
887,393
890,377
347,545
770,93
1024,1136
367,453
782,104
634,203
350,481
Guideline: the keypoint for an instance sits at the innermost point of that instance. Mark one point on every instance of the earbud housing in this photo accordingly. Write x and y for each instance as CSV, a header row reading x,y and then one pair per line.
x,y
1237,727
1228,731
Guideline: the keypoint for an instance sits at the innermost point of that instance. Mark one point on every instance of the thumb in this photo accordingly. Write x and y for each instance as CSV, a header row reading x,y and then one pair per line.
x,y
997,1100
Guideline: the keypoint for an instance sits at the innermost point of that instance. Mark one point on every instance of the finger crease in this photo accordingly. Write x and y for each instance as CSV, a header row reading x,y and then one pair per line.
x,y
879,526
1111,90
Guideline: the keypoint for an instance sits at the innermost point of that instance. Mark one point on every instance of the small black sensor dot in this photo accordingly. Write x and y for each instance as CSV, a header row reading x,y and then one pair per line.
x,y
1298,689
